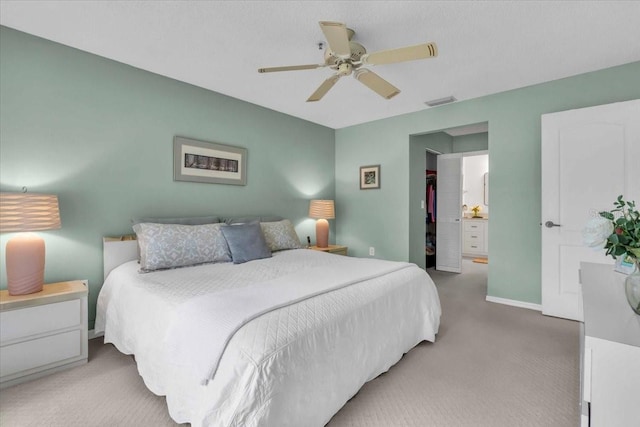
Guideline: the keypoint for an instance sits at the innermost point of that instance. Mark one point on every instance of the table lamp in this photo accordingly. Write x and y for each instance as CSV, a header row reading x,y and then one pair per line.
x,y
322,210
26,212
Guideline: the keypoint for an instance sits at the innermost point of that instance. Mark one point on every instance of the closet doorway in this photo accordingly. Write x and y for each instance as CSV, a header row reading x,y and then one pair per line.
x,y
457,233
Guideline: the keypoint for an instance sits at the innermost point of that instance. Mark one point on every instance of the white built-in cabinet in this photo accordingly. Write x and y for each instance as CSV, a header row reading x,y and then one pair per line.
x,y
475,238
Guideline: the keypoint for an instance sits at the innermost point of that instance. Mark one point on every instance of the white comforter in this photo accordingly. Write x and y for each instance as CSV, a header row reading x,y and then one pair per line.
x,y
294,365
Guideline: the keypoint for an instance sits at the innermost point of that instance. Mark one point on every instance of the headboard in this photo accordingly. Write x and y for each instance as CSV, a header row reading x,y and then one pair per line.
x,y
118,250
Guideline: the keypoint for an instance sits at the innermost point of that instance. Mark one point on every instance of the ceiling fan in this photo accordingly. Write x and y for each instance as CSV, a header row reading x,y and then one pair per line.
x,y
347,57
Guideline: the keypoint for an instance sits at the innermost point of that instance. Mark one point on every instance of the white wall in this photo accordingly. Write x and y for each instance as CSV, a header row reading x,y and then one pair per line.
x,y
474,168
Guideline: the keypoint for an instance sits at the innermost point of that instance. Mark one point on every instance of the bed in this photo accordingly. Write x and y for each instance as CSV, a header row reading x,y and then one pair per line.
x,y
284,340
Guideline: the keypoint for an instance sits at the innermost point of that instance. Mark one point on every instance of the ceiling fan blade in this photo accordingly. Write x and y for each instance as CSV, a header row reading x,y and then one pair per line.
x,y
409,53
323,89
290,68
338,38
376,83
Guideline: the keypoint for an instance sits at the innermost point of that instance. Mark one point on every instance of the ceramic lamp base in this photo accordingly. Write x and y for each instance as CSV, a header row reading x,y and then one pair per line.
x,y
25,264
322,233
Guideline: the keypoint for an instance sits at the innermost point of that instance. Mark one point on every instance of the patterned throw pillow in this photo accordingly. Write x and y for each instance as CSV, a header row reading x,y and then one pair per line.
x,y
174,245
280,235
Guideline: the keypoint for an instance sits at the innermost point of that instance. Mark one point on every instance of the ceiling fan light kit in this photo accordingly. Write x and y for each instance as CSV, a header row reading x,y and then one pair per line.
x,y
346,57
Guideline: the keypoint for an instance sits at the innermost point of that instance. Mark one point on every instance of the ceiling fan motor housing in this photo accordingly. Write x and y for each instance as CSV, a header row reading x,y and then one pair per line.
x,y
345,68
357,50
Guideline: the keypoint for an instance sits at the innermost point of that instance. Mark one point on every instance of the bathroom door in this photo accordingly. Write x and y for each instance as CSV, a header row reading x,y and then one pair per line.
x,y
589,157
448,213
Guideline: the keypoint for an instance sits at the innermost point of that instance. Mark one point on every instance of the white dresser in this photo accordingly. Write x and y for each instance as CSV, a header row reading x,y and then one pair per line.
x,y
43,332
610,350
475,237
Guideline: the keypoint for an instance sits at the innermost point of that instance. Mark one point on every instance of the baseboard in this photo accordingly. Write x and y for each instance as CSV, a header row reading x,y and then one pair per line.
x,y
512,302
91,334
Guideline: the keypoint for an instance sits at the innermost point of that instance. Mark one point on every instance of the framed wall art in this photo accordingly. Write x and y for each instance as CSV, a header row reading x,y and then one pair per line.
x,y
370,177
200,161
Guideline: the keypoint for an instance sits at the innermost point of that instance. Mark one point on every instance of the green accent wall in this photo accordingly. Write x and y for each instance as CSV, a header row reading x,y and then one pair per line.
x,y
381,218
99,134
472,142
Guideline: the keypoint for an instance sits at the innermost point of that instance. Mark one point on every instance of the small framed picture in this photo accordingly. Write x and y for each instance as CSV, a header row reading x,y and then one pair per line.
x,y
370,177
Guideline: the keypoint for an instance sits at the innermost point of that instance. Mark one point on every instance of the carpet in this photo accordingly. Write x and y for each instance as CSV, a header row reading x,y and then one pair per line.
x,y
491,365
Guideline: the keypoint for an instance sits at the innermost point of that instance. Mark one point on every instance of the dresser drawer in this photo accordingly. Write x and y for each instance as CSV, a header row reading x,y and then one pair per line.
x,y
474,238
40,352
17,324
472,248
473,225
473,242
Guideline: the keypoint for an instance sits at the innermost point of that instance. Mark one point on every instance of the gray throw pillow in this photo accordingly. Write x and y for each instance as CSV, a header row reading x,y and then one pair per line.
x,y
246,242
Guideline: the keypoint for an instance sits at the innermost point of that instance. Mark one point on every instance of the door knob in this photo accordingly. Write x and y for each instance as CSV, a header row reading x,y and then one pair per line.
x,y
550,224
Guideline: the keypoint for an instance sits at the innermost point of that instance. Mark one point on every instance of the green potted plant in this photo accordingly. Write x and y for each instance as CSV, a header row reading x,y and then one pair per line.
x,y
618,232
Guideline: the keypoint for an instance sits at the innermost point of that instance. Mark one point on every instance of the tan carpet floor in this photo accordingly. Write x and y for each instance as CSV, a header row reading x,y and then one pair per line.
x,y
492,365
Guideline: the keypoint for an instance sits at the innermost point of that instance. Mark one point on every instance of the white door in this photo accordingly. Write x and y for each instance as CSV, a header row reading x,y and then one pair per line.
x,y
448,213
589,157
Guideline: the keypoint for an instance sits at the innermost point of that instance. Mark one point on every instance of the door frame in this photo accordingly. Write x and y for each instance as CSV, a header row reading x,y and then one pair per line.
x,y
417,208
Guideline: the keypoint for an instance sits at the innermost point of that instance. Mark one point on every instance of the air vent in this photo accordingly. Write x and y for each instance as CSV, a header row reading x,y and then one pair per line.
x,y
441,101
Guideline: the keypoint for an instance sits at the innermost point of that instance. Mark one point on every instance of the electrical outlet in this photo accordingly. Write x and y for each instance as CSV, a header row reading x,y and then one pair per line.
x,y
372,251
421,204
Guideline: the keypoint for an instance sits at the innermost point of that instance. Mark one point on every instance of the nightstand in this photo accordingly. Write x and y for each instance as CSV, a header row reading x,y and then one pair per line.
x,y
333,249
43,332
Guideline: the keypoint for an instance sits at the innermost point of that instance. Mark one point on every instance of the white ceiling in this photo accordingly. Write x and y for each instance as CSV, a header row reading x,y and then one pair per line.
x,y
484,46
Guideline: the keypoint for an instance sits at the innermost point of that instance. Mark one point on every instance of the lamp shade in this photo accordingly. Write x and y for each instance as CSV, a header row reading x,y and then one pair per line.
x,y
25,252
322,209
28,212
